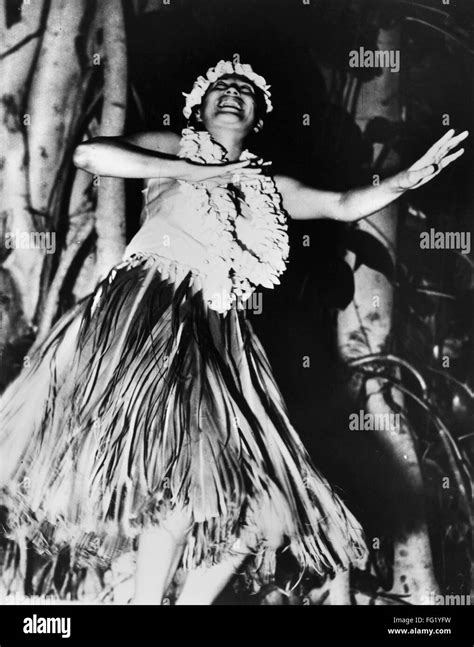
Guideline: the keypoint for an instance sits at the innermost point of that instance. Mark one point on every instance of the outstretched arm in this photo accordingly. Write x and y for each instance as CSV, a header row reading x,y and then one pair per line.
x,y
140,155
303,202
151,155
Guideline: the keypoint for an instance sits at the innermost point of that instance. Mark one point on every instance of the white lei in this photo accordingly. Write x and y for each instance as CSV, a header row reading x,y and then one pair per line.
x,y
245,226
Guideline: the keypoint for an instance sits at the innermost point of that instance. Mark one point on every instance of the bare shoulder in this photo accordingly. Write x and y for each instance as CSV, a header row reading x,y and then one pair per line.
x,y
162,141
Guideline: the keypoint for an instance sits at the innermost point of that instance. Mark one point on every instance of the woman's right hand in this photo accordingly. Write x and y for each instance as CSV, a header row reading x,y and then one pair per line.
x,y
227,173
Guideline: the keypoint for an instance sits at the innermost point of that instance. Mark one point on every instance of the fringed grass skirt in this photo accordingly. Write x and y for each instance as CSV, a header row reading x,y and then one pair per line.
x,y
142,401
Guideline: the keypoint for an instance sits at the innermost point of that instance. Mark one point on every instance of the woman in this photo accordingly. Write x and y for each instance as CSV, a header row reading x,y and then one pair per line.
x,y
152,418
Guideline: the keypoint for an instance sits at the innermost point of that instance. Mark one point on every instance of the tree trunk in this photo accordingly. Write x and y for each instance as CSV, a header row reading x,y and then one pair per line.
x,y
21,43
110,214
45,80
47,71
60,82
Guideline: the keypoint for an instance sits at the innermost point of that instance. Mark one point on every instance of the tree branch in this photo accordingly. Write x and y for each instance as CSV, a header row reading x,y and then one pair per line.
x,y
21,44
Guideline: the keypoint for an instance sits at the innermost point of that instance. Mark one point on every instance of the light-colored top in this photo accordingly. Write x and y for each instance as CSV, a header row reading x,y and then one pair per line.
x,y
234,237
169,229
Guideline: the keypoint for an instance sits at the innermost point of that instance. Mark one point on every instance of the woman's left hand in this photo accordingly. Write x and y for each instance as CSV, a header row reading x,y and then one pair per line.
x,y
433,161
237,177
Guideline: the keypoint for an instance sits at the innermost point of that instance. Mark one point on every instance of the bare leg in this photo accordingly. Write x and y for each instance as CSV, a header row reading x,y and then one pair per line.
x,y
203,584
338,588
159,551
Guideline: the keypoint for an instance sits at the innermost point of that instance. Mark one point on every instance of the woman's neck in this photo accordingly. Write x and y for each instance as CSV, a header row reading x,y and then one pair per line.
x,y
232,142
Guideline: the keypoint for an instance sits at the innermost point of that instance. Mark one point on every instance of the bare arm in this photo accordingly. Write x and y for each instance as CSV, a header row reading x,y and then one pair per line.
x,y
149,155
303,202
142,155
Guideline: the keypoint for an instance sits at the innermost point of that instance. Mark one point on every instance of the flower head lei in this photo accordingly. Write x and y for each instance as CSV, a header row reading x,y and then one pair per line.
x,y
202,83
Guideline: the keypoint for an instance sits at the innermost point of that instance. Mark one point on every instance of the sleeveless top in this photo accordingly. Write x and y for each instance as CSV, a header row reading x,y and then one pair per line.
x,y
234,237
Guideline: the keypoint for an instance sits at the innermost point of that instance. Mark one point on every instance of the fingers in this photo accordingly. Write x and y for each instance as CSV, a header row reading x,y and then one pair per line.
x,y
236,165
251,170
441,143
435,160
445,138
418,177
455,141
240,173
251,163
233,172
444,162
446,143
450,158
459,138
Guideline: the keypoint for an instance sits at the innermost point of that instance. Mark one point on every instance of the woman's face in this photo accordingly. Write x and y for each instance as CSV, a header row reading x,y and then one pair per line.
x,y
230,101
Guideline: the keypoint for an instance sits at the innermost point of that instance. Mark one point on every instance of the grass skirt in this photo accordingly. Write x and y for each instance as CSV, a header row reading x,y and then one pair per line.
x,y
142,400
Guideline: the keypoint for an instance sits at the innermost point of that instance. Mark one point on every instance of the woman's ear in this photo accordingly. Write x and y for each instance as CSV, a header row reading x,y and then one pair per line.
x,y
198,116
259,125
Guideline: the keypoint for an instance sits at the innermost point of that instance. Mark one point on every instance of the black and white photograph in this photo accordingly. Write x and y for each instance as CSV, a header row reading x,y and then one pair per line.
x,y
236,318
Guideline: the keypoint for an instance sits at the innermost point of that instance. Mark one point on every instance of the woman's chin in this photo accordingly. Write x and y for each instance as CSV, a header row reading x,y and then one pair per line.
x,y
229,119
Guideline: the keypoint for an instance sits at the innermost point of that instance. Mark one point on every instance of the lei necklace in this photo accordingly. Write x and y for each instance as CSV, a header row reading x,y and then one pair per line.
x,y
245,226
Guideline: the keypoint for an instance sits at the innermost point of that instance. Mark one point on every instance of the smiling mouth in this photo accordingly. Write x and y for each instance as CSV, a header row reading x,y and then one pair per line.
x,y
230,102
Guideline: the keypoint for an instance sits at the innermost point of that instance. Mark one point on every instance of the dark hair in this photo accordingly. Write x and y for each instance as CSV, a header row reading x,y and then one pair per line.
x,y
260,108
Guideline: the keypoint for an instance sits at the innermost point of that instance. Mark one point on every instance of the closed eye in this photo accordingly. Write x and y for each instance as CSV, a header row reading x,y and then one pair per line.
x,y
222,85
